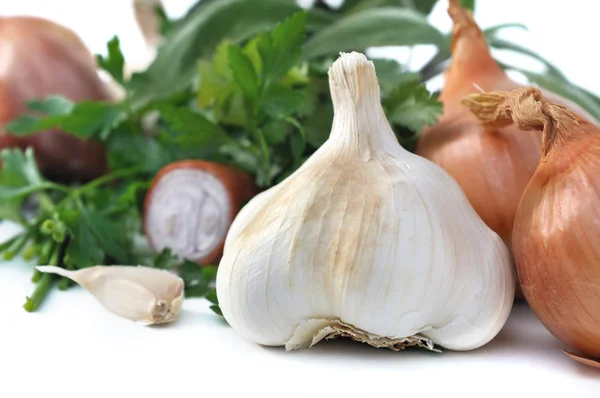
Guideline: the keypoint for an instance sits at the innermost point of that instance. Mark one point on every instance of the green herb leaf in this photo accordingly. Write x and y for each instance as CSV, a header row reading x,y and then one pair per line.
x,y
83,250
243,72
197,34
493,30
216,309
468,4
212,297
276,131
193,128
502,44
281,101
198,280
114,62
412,106
390,74
318,125
19,176
84,119
52,106
356,32
165,260
280,50
108,236
425,6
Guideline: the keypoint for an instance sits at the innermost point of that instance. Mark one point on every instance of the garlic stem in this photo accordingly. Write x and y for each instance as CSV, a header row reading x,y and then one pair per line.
x,y
359,120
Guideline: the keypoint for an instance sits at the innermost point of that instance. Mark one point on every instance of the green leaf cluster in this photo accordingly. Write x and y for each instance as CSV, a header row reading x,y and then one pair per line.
x,y
236,83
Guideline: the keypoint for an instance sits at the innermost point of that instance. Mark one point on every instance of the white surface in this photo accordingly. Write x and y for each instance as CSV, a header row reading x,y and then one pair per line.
x,y
72,347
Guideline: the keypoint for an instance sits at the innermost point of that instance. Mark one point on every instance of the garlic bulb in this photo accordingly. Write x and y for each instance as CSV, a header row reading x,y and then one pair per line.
x,y
141,294
364,240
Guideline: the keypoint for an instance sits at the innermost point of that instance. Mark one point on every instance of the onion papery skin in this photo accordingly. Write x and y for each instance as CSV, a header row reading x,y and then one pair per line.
x,y
493,164
40,58
556,243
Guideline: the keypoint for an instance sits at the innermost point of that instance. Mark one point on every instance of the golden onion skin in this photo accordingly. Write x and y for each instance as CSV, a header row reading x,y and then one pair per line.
x,y
556,234
556,244
493,164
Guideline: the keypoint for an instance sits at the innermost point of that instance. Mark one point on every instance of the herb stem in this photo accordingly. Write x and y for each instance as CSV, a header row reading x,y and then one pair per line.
x,y
40,293
5,245
107,178
16,247
46,253
37,275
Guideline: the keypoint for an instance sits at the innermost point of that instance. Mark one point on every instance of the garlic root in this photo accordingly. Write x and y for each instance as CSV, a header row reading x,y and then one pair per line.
x,y
365,240
141,294
312,331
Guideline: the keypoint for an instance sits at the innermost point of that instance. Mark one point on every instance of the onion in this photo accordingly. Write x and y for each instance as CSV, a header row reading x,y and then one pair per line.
x,y
191,205
557,225
39,58
492,165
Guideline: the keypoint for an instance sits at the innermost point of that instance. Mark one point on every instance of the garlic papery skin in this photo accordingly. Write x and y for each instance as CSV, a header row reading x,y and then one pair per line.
x,y
364,239
144,295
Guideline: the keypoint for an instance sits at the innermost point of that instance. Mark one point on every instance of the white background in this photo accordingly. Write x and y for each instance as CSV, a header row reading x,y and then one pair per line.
x,y
73,348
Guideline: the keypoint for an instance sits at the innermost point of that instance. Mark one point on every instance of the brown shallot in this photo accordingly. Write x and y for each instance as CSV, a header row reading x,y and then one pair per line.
x,y
191,205
492,164
557,225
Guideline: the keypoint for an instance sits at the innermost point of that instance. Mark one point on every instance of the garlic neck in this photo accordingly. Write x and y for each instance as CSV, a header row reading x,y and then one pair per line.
x,y
359,120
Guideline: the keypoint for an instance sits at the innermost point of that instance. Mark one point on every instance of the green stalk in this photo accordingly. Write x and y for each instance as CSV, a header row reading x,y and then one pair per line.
x,y
108,178
43,259
40,293
15,248
66,283
5,245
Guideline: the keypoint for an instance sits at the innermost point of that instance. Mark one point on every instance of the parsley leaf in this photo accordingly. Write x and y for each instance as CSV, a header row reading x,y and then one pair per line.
x,y
114,62
83,250
84,119
411,105
198,280
20,176
282,101
193,127
280,50
243,72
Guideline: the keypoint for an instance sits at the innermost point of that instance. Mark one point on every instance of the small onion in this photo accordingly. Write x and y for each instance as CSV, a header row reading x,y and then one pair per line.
x,y
557,225
191,205
492,165
39,58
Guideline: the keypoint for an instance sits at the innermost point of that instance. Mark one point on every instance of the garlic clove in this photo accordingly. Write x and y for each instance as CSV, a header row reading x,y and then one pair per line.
x,y
593,362
142,294
365,240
